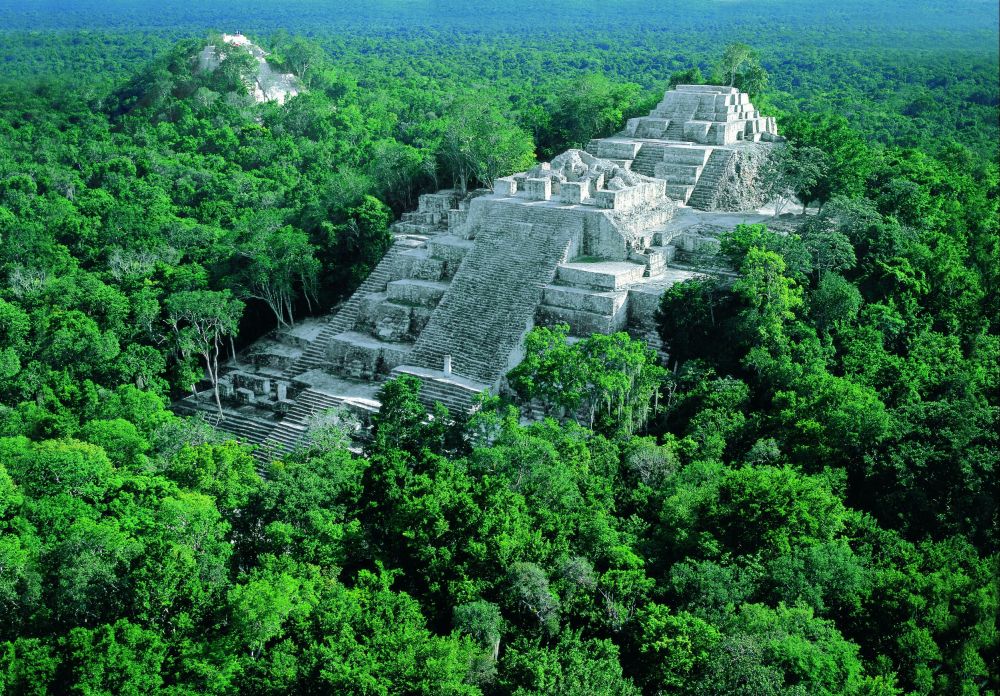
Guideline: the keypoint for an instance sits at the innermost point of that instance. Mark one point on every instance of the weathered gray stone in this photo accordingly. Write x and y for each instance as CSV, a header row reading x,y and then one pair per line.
x,y
505,186
245,396
607,275
538,189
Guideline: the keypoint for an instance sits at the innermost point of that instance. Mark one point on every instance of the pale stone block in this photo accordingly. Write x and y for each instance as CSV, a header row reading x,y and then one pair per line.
x,y
415,292
258,385
601,276
573,192
613,149
596,301
245,396
582,323
538,189
458,217
505,186
595,184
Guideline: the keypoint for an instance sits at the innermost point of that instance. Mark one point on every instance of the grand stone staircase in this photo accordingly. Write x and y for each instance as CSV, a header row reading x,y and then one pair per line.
x,y
493,296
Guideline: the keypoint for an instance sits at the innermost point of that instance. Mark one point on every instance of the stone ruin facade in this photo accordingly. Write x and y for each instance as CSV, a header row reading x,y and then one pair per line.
x,y
590,239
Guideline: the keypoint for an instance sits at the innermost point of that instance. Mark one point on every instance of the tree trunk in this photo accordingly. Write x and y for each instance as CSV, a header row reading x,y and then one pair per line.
x,y
212,365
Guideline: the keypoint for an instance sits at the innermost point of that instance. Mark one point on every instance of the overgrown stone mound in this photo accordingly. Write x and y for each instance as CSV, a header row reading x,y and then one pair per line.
x,y
266,84
742,184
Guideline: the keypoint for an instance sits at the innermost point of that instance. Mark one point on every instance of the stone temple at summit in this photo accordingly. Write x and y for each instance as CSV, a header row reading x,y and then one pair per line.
x,y
590,239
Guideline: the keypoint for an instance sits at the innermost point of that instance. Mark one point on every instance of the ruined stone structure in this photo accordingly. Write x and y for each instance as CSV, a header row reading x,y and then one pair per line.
x,y
708,143
590,239
267,84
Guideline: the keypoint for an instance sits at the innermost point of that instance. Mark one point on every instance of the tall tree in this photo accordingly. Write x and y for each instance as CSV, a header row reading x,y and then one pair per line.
x,y
200,320
277,260
481,143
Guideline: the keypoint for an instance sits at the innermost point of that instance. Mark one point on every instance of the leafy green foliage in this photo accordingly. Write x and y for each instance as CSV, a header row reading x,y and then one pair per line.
x,y
613,380
811,507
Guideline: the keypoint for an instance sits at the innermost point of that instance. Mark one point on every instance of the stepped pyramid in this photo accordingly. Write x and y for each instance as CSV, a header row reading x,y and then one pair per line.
x,y
707,142
591,239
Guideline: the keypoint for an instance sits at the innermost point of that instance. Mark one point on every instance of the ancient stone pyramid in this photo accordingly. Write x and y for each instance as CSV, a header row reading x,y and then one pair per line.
x,y
590,239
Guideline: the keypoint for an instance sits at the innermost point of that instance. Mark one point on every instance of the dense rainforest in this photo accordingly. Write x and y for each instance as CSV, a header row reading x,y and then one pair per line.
x,y
800,500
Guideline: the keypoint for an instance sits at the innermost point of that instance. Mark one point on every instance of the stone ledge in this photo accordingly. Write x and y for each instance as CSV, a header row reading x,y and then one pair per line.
x,y
597,301
609,275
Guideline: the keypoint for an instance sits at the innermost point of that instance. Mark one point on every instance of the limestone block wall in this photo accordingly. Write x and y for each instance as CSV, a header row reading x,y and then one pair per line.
x,y
362,357
642,307
645,193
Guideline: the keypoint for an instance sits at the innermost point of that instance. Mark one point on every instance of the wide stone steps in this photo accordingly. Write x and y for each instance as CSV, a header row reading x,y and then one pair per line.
x,y
287,434
246,429
453,395
249,431
492,298
282,440
314,355
649,156
675,131
311,402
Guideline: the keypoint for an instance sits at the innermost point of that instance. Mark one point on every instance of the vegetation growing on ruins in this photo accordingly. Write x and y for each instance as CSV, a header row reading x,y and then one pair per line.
x,y
801,501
